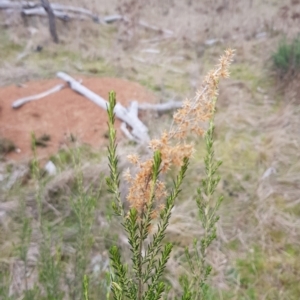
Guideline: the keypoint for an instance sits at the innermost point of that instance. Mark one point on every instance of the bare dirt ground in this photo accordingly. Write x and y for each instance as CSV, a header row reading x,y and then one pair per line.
x,y
257,123
61,114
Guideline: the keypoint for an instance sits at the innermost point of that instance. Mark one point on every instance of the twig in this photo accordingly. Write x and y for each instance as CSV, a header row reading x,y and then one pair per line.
x,y
59,10
112,18
41,12
161,107
78,10
18,103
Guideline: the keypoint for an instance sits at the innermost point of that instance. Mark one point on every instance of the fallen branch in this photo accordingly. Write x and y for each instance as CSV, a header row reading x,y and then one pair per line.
x,y
20,102
59,10
139,130
39,11
162,107
134,108
78,10
127,133
112,18
4,4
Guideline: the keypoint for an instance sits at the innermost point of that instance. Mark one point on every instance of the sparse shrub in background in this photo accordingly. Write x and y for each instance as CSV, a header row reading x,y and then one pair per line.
x,y
54,280
49,265
286,59
6,146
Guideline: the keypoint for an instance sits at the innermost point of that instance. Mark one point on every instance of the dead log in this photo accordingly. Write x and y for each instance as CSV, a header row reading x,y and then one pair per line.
x,y
39,11
4,4
134,108
77,10
139,129
59,10
127,133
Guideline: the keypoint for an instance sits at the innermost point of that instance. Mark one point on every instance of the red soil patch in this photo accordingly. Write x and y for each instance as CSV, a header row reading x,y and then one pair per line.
x,y
61,114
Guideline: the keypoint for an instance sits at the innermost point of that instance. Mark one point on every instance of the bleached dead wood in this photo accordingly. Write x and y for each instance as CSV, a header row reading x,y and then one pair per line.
x,y
4,4
39,11
134,108
139,130
161,107
60,11
127,133
78,10
112,18
22,101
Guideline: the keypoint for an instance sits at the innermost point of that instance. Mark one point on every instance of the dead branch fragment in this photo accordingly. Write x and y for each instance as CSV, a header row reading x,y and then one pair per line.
x,y
22,101
4,4
161,107
112,18
64,12
134,108
139,129
39,11
67,12
77,10
127,133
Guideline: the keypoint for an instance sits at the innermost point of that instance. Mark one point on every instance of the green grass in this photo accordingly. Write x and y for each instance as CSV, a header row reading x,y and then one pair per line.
x,y
53,58
286,58
256,268
8,48
63,159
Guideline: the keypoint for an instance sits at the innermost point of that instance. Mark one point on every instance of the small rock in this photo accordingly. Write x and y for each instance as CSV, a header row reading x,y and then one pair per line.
x,y
268,173
50,168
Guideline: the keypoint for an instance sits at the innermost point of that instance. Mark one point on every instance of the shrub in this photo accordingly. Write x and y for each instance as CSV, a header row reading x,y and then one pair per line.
x,y
151,203
6,146
286,59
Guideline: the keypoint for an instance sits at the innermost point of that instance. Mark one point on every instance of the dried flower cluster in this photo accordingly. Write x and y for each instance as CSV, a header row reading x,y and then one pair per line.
x,y
195,112
172,145
140,188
